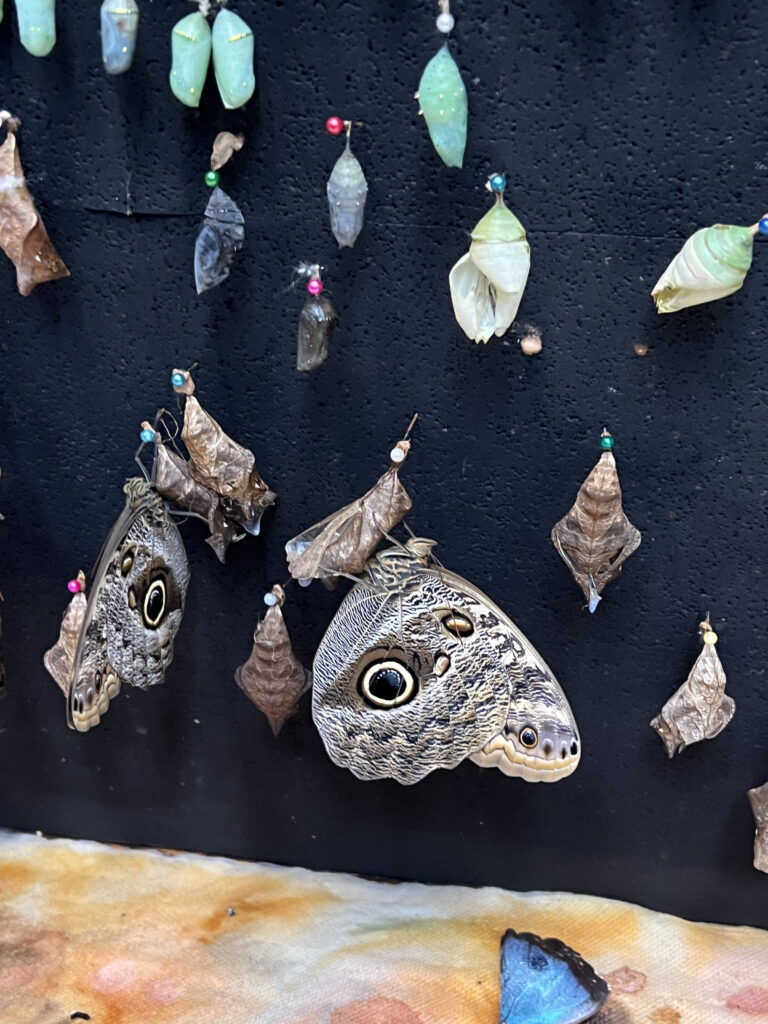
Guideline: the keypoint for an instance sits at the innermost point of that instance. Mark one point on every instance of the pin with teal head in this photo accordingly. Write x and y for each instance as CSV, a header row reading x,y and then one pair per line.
x,y
497,183
606,441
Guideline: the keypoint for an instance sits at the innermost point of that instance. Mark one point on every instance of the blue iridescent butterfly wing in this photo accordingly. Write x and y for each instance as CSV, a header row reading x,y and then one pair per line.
x,y
543,981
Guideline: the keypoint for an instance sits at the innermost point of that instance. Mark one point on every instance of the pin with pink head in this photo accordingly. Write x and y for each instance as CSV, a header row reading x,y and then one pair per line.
x,y
77,585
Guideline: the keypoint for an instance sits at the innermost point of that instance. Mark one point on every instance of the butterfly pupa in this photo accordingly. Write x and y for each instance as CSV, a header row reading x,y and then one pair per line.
x,y
595,538
443,102
221,464
273,677
23,237
347,191
37,25
119,29
700,709
318,320
190,57
222,232
232,43
343,542
487,283
713,263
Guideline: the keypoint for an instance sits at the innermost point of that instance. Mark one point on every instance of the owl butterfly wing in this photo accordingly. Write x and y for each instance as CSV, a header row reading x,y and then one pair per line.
x,y
543,981
134,610
539,740
403,681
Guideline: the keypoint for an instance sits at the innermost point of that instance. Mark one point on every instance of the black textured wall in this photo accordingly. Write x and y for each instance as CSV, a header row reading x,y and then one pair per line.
x,y
623,126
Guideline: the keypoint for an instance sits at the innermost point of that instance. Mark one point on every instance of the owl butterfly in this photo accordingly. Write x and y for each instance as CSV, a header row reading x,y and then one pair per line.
x,y
420,670
219,482
124,631
543,981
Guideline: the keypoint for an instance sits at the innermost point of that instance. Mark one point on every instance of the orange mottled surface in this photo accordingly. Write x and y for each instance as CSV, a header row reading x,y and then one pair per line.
x,y
143,937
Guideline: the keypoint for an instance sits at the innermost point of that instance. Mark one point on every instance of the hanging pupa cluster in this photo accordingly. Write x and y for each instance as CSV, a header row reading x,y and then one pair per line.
x,y
230,44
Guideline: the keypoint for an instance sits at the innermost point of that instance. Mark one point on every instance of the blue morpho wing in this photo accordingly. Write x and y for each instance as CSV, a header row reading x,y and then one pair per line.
x,y
543,981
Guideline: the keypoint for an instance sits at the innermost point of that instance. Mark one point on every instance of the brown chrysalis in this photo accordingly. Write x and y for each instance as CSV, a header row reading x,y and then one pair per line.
x,y
60,659
273,677
343,542
595,538
219,482
23,237
700,709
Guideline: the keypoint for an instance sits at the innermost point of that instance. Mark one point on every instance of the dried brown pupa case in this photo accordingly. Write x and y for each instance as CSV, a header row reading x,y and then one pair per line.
x,y
343,542
60,659
221,464
595,538
758,801
700,709
273,677
23,237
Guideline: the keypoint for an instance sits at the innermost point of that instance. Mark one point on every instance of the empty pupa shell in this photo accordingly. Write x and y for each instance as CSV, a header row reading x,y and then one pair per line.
x,y
220,238
119,28
443,101
347,192
317,322
233,59
487,283
190,57
712,264
37,26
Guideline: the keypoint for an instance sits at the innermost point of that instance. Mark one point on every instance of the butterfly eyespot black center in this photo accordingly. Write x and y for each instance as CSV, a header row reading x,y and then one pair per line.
x,y
97,682
529,738
457,625
387,684
127,563
574,748
154,604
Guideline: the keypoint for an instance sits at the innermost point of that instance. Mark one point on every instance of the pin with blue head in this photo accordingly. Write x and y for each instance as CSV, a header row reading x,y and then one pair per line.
x,y
147,435
762,225
543,981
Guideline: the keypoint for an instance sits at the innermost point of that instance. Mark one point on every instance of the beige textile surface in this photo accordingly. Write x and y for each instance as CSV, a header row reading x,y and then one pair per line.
x,y
147,937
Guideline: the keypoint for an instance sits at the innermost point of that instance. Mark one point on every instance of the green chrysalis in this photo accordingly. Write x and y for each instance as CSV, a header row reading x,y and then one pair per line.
x,y
712,264
443,100
233,59
37,26
190,57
